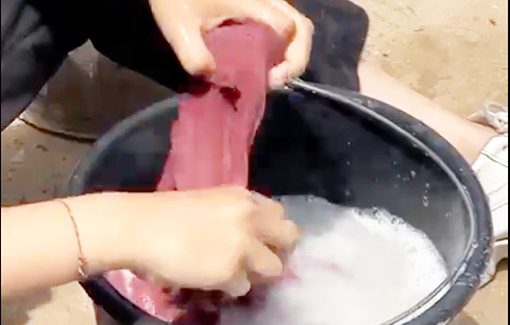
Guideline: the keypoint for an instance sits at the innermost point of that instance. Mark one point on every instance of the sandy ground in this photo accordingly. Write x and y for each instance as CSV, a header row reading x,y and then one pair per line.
x,y
454,52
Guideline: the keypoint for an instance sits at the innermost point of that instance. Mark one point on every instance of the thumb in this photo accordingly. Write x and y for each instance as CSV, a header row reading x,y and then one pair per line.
x,y
183,32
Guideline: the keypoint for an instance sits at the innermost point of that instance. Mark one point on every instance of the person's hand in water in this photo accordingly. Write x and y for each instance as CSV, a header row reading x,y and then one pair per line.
x,y
184,22
213,239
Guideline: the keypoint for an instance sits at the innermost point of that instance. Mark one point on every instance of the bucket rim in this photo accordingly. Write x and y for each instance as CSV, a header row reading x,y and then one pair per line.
x,y
439,307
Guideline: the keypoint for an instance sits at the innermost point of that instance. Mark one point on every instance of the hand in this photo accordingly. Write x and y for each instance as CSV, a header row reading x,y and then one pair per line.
x,y
183,23
213,239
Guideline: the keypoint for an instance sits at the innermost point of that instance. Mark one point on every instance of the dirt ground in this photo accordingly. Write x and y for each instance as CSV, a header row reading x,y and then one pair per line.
x,y
452,51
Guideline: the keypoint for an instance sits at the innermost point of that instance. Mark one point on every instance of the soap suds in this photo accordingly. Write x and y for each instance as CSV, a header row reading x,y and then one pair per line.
x,y
352,267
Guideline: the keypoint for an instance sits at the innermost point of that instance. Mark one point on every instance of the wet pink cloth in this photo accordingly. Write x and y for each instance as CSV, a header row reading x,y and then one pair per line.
x,y
218,121
212,137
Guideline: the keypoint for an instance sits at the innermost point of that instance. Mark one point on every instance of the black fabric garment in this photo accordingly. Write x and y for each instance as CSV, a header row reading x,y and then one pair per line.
x,y
38,34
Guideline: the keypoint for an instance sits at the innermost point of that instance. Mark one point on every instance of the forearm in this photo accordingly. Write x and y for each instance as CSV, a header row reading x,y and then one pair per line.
x,y
40,245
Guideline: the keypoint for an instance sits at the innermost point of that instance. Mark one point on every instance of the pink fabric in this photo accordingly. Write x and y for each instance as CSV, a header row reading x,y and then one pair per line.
x,y
217,123
211,141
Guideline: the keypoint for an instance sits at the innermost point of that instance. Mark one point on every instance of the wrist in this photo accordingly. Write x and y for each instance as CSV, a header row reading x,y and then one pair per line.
x,y
103,229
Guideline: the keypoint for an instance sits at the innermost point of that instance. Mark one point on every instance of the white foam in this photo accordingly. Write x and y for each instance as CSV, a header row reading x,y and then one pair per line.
x,y
381,267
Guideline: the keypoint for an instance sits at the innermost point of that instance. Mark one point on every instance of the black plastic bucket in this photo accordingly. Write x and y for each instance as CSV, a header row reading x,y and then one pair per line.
x,y
344,147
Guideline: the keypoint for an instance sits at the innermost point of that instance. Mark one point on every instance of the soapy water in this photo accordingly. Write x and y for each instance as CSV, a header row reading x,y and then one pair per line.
x,y
351,267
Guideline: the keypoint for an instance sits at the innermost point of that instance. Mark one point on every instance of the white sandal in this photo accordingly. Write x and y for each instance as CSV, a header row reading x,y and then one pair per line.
x,y
491,168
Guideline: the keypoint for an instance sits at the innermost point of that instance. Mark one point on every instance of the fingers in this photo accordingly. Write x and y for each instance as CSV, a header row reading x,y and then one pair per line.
x,y
185,36
238,286
262,261
298,52
263,216
183,28
259,261
269,224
